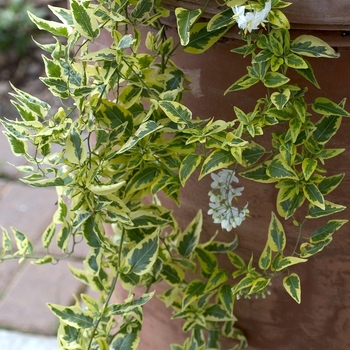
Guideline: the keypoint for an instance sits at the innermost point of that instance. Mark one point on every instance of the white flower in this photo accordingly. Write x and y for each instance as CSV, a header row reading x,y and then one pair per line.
x,y
251,20
220,200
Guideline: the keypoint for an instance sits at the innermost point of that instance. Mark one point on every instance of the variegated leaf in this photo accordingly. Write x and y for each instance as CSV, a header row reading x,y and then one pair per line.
x,y
141,258
216,160
201,39
194,290
329,209
221,20
326,231
279,99
144,130
288,261
309,45
176,112
291,284
188,165
276,236
325,106
75,149
274,79
189,238
278,169
308,166
55,28
185,19
72,316
314,196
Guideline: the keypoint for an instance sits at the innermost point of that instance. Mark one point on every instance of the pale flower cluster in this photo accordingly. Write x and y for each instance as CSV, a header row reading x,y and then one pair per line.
x,y
249,21
221,197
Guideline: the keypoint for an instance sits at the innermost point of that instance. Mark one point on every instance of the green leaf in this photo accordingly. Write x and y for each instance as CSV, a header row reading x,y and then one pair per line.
x,y
244,283
325,106
188,165
274,79
216,160
141,258
308,249
276,41
201,39
226,297
276,236
75,149
329,209
326,231
309,45
127,339
263,56
252,153
278,18
176,112
71,317
215,313
258,174
314,195
55,28
291,284
130,95
276,63
265,257
173,274
308,166
18,147
329,153
141,180
221,20
144,130
279,99
189,238
85,23
48,234
6,241
194,290
221,247
278,169
236,260
185,19
286,208
308,74
288,261
142,8
243,83
105,189
52,69
217,278
328,184
63,14
47,259
259,285
294,61
23,244
207,261
115,115
130,304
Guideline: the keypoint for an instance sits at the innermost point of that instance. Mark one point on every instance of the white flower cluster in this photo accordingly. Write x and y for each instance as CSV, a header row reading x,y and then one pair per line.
x,y
221,197
249,21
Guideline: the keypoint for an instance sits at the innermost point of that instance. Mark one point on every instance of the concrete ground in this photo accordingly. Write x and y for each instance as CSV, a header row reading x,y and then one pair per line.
x,y
25,320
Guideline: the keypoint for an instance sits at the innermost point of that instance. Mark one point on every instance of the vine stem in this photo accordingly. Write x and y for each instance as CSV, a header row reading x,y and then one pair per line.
x,y
299,236
109,296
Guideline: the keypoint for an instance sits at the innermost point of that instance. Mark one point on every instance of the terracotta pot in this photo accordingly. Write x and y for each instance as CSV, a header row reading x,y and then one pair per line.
x,y
322,321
